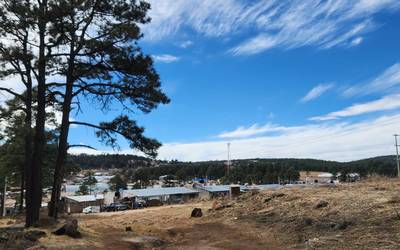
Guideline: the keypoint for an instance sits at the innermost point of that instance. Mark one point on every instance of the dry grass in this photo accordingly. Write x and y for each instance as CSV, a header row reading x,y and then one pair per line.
x,y
361,215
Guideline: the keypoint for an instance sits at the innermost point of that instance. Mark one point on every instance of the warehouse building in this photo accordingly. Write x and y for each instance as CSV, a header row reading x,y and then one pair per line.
x,y
168,195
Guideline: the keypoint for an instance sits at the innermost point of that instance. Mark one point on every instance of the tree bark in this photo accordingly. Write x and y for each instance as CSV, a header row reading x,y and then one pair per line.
x,y
64,130
34,190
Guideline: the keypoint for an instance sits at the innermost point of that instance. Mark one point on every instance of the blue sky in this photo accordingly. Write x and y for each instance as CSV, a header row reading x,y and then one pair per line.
x,y
316,79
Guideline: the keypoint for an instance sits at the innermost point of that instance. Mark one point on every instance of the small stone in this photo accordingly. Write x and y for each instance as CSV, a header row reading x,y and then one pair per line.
x,y
342,225
197,213
321,204
128,229
308,221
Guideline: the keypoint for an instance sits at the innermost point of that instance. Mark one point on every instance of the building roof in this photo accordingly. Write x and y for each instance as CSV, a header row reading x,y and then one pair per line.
x,y
86,198
151,192
215,188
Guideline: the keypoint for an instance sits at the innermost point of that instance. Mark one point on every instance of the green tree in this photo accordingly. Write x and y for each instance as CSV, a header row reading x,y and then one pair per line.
x,y
117,182
83,189
107,66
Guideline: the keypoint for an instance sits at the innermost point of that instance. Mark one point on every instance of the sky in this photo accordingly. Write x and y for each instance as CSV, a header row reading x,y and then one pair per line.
x,y
293,79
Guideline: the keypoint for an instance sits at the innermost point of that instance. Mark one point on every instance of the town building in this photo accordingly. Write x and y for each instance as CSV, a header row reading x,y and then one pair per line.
x,y
309,177
75,204
168,195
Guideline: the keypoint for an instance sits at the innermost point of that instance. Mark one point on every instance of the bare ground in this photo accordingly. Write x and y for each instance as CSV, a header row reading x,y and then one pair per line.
x,y
364,215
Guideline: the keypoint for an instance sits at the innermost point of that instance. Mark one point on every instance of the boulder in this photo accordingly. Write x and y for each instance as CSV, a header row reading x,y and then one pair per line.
x,y
70,228
197,212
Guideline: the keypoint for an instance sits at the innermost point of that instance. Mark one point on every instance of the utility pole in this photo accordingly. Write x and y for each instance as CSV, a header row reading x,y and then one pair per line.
x,y
229,158
3,213
397,155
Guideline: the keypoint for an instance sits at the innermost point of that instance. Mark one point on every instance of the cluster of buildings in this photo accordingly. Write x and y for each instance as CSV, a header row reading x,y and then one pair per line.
x,y
168,191
157,196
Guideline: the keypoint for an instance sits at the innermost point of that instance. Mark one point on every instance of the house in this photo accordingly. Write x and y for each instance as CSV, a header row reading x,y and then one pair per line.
x,y
75,204
212,191
166,195
309,177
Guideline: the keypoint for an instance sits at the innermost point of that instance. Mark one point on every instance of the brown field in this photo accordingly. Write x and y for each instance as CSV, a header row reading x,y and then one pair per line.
x,y
364,215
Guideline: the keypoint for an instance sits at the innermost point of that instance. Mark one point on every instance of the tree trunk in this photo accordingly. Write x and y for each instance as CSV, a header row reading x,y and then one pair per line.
x,y
34,194
26,174
63,140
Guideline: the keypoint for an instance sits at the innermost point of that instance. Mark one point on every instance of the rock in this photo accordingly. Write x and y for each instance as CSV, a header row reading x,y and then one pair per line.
x,y
308,221
342,225
266,200
217,205
10,222
321,204
34,235
70,228
128,229
197,213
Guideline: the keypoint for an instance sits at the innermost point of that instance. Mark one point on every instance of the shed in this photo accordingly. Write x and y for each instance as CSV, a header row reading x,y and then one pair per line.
x,y
75,204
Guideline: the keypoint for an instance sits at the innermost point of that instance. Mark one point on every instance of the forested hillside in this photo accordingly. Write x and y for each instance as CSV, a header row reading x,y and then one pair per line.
x,y
246,170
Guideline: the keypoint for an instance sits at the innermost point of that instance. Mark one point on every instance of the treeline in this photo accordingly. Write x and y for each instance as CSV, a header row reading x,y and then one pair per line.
x,y
107,161
263,170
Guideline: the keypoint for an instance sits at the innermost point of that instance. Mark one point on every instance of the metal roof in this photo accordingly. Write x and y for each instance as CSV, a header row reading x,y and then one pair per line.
x,y
215,188
151,192
86,198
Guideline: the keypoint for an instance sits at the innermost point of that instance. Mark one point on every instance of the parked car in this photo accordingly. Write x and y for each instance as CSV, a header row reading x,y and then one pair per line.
x,y
115,207
91,209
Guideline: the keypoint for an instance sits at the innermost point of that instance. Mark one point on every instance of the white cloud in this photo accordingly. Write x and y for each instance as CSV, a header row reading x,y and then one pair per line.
x,y
340,141
275,23
165,58
186,44
389,102
356,41
316,92
388,79
327,141
12,83
243,132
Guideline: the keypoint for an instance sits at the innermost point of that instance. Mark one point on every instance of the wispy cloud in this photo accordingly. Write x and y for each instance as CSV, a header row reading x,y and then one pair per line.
x,y
275,23
186,44
388,79
385,103
165,58
316,92
243,132
330,141
356,41
339,141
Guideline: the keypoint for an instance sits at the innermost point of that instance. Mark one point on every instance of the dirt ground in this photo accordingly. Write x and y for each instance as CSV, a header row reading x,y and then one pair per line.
x,y
364,215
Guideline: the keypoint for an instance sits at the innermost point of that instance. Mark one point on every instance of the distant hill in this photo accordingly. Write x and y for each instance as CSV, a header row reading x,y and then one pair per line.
x,y
244,170
108,161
